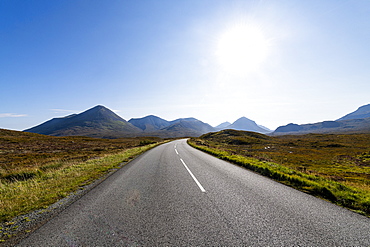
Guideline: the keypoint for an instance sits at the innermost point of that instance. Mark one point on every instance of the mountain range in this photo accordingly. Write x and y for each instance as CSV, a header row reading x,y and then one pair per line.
x,y
156,126
101,122
354,122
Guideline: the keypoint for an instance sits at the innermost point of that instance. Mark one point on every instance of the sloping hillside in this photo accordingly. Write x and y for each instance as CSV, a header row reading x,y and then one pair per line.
x,y
355,122
327,127
245,124
189,127
101,122
98,121
360,113
236,137
149,123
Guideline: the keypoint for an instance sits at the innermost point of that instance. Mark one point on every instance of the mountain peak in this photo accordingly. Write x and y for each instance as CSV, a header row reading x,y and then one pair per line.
x,y
246,124
98,121
244,119
188,127
149,123
223,125
98,108
98,113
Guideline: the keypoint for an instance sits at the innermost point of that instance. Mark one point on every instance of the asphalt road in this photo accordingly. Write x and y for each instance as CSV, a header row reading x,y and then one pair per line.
x,y
174,195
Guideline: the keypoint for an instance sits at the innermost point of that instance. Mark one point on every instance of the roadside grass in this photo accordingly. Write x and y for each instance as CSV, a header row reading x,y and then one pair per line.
x,y
46,187
338,181
22,154
36,170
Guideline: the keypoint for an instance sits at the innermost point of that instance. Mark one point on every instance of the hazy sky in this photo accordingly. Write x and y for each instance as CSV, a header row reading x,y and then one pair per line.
x,y
275,62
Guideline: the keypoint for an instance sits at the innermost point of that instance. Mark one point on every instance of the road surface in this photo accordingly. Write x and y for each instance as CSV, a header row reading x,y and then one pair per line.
x,y
174,195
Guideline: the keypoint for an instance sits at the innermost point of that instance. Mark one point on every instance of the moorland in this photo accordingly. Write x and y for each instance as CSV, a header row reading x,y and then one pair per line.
x,y
335,167
37,170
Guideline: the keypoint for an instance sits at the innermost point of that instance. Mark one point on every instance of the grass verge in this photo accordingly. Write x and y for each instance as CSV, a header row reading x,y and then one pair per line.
x,y
352,198
24,193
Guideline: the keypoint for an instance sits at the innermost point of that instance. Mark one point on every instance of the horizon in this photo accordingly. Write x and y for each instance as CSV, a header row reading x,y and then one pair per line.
x,y
214,126
274,62
117,113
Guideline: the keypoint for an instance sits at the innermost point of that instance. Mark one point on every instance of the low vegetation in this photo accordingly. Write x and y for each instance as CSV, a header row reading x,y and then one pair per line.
x,y
38,170
333,167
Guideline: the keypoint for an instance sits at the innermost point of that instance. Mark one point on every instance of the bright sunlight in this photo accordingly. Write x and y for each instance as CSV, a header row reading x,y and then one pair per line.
x,y
242,49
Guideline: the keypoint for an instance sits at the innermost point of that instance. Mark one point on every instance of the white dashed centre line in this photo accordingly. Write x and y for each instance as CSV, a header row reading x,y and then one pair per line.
x,y
192,175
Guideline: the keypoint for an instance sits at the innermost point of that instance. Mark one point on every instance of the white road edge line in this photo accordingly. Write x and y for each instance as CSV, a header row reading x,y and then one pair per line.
x,y
195,179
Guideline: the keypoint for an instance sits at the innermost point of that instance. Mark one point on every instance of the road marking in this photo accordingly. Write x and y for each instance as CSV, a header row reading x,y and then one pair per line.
x,y
176,151
195,179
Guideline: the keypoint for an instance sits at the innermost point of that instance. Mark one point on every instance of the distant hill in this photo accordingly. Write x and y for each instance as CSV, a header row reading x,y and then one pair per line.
x,y
187,127
327,127
360,113
246,124
237,137
355,122
223,125
149,123
98,121
182,127
21,134
289,128
267,130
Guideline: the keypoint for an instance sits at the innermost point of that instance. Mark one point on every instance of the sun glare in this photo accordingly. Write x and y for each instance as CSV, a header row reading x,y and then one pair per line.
x,y
242,49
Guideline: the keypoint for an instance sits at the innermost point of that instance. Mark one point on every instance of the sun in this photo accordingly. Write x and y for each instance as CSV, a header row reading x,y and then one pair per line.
x,y
242,49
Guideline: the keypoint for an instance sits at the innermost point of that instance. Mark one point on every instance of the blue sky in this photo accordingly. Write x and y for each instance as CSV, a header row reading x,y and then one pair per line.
x,y
178,59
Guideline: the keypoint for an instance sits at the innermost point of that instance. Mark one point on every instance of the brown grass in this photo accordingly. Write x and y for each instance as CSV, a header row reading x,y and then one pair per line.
x,y
342,159
38,170
25,153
